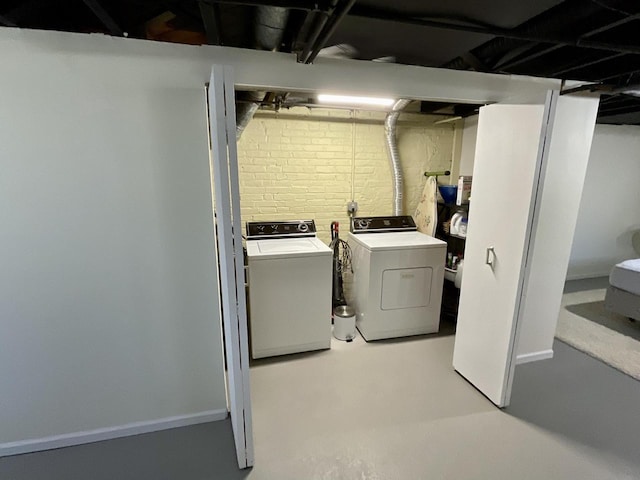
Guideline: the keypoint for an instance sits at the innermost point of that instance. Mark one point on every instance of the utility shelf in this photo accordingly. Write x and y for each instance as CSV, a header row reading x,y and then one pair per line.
x,y
454,235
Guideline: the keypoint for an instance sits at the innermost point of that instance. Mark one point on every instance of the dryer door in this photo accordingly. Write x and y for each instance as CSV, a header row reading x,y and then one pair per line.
x,y
406,288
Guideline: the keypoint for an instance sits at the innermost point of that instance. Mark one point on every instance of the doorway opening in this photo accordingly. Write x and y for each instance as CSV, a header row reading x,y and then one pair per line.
x,y
304,162
300,160
504,347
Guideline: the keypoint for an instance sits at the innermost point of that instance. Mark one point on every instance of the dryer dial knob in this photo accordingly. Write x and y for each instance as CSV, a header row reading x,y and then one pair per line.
x,y
363,223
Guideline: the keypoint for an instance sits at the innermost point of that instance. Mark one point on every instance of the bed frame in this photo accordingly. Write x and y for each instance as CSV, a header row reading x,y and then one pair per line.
x,y
622,302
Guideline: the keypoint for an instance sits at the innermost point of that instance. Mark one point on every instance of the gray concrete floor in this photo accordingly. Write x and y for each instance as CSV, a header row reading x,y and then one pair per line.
x,y
395,410
586,284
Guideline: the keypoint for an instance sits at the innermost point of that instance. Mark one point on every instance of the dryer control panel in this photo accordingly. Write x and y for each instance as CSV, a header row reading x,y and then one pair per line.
x,y
280,229
400,223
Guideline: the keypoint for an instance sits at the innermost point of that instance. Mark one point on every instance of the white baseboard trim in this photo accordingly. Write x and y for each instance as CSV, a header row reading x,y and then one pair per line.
x,y
534,357
108,433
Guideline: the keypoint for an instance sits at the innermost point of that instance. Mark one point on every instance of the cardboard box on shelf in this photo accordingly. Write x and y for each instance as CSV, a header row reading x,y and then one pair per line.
x,y
464,190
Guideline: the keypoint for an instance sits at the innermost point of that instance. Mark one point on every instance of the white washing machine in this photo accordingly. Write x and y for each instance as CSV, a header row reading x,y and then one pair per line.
x,y
289,273
398,274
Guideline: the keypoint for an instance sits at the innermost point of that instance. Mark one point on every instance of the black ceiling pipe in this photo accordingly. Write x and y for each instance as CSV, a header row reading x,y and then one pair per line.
x,y
319,24
330,26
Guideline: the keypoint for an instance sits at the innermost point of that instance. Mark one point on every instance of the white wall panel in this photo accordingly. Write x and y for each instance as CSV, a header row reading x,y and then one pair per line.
x,y
108,311
610,206
567,154
108,286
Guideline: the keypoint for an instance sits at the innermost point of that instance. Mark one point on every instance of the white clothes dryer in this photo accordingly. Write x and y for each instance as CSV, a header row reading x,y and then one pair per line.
x,y
289,277
398,275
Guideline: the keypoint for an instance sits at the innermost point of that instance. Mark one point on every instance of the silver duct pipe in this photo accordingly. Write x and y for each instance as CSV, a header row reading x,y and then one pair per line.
x,y
246,109
390,123
270,23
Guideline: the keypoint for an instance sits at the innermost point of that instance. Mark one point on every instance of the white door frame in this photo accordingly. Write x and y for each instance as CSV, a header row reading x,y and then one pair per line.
x,y
224,157
232,272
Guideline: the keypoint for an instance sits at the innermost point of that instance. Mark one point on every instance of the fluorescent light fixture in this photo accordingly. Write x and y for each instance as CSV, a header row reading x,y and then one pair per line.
x,y
351,100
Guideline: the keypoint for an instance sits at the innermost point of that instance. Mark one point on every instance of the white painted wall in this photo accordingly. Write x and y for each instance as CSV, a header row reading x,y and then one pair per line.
x,y
468,150
610,206
108,285
567,155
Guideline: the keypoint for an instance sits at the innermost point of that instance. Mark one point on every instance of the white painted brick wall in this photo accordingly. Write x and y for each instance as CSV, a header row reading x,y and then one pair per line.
x,y
301,163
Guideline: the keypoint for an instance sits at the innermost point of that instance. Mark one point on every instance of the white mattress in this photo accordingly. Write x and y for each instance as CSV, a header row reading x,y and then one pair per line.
x,y
626,276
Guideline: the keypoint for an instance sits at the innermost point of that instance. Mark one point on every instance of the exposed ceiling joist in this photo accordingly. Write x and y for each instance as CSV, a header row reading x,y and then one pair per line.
x,y
305,5
583,65
590,40
553,48
475,63
106,19
608,112
611,25
210,19
627,73
24,10
7,22
528,58
514,34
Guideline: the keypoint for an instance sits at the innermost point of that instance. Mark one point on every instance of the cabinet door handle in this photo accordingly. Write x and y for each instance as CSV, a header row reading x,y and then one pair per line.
x,y
491,256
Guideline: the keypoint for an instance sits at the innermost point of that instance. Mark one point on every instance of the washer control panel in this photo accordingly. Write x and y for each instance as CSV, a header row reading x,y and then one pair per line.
x,y
279,229
400,223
